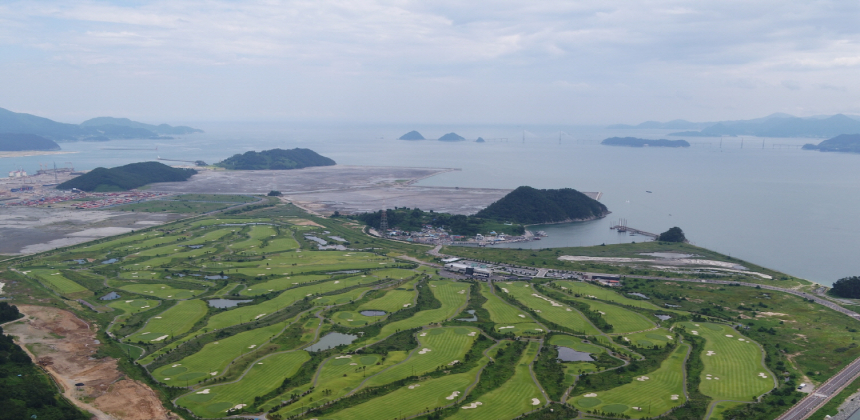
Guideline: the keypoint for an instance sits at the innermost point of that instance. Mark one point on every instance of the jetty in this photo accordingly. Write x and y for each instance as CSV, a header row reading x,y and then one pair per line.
x,y
622,227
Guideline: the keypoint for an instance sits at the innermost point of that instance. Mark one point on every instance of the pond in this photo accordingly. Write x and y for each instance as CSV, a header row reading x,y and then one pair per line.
x,y
335,247
110,261
372,313
332,340
472,319
195,246
315,239
226,303
663,317
216,277
567,354
637,294
337,238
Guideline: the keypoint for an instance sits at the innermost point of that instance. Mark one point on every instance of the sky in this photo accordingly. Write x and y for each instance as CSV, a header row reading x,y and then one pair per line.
x,y
401,61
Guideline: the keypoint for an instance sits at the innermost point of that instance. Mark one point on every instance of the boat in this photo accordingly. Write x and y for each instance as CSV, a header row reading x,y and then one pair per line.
x,y
649,192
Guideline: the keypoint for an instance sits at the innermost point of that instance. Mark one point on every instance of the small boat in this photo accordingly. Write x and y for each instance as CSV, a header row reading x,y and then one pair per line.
x,y
649,192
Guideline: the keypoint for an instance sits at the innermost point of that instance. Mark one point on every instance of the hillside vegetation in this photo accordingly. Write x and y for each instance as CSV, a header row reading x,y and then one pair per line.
x,y
458,224
276,159
531,206
123,178
841,143
10,142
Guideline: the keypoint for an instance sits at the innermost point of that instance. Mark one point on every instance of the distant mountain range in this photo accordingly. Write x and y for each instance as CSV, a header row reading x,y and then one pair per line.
x,y
414,135
842,143
96,129
774,125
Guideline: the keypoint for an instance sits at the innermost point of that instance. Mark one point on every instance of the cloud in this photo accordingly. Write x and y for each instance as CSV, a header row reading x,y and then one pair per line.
x,y
790,84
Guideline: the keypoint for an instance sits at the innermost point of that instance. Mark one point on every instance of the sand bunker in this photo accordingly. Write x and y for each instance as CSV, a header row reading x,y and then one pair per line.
x,y
414,386
422,334
535,401
552,302
538,329
626,339
472,405
259,316
710,353
424,351
239,406
521,316
461,292
675,397
453,363
453,395
729,335
472,334
568,309
669,337
761,374
741,339
695,332
160,338
205,391
503,328
178,364
642,378
345,356
590,395
252,346
505,290
407,305
353,364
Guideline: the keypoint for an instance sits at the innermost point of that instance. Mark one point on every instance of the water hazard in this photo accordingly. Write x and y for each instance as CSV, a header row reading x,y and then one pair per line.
x,y
332,340
226,303
372,313
567,354
474,317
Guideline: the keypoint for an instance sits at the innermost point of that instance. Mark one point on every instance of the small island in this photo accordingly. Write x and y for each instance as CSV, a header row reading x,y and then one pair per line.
x,y
848,143
412,135
278,159
452,137
12,142
480,140
529,205
637,142
127,177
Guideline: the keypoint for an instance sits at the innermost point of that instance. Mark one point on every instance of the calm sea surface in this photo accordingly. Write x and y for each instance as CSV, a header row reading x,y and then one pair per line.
x,y
778,206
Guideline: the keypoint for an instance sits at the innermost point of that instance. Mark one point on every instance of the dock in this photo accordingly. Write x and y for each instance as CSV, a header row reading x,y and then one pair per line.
x,y
622,227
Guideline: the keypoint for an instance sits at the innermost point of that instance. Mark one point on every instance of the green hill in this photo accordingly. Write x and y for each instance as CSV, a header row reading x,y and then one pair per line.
x,y
10,142
412,135
637,142
842,143
125,122
532,206
123,178
276,159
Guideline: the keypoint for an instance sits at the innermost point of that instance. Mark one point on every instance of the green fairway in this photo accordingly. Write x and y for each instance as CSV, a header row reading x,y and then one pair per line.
x,y
171,323
733,364
658,337
586,289
576,343
281,283
341,298
55,280
648,395
407,402
500,311
163,291
263,376
451,294
518,395
394,300
547,308
622,320
522,329
437,347
131,307
213,358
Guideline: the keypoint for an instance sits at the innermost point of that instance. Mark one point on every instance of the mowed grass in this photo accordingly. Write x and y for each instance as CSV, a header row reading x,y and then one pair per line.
x,y
407,402
659,337
162,291
733,368
294,263
436,347
338,375
55,280
653,395
172,322
130,307
603,293
341,298
518,395
393,300
452,295
394,273
214,357
282,283
623,321
279,244
522,329
500,311
288,297
576,343
263,376
558,313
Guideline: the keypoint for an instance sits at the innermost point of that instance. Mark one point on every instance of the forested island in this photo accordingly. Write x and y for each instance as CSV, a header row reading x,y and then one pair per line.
x,y
843,143
412,135
452,137
275,159
529,205
95,129
12,142
126,177
637,142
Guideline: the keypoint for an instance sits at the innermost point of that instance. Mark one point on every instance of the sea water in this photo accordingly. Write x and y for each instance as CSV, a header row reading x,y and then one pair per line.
x,y
772,204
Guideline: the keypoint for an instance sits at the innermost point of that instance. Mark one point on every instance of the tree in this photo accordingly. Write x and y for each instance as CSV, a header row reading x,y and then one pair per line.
x,y
274,193
674,234
848,287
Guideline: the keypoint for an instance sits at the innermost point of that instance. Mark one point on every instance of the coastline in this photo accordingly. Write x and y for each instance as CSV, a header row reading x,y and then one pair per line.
x,y
25,153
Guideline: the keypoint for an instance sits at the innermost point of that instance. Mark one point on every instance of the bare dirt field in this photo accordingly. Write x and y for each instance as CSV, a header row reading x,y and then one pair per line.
x,y
438,199
63,344
27,230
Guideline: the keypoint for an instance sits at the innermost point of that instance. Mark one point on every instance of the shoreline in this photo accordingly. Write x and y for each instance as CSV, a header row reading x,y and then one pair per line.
x,y
26,153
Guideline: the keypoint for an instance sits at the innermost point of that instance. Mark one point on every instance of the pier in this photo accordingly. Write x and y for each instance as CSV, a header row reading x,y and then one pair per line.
x,y
622,227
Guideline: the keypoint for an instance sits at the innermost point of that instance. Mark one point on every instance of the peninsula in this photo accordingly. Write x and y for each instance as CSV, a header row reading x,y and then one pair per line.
x,y
126,177
12,142
275,159
849,143
529,205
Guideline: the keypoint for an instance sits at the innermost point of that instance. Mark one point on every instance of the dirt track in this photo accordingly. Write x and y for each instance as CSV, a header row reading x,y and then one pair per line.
x,y
64,344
